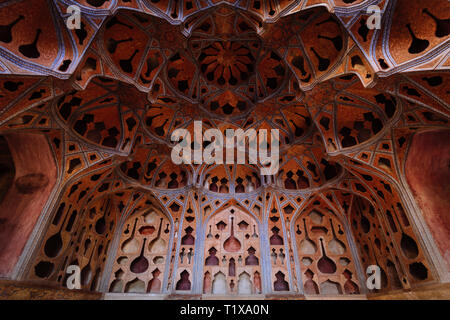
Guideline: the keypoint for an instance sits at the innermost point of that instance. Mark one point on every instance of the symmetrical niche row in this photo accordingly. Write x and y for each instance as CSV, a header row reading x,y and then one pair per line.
x,y
141,257
232,254
326,262
237,178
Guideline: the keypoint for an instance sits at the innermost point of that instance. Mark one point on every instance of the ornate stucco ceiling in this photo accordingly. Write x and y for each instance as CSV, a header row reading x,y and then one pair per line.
x,y
345,98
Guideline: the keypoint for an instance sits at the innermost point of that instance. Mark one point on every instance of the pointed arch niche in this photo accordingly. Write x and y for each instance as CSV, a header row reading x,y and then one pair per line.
x,y
232,257
326,263
373,244
141,257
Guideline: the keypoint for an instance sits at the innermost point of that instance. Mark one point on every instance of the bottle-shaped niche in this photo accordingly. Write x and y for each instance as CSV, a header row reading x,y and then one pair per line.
x,y
325,264
157,245
232,244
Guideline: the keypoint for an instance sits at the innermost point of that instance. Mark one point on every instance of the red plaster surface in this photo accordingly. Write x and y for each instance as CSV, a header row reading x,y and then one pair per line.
x,y
428,174
19,212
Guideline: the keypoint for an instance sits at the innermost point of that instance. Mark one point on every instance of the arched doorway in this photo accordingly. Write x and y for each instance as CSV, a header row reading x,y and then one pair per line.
x,y
232,258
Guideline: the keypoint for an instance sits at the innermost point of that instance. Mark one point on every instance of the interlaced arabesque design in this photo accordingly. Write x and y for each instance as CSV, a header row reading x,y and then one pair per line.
x,y
346,100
